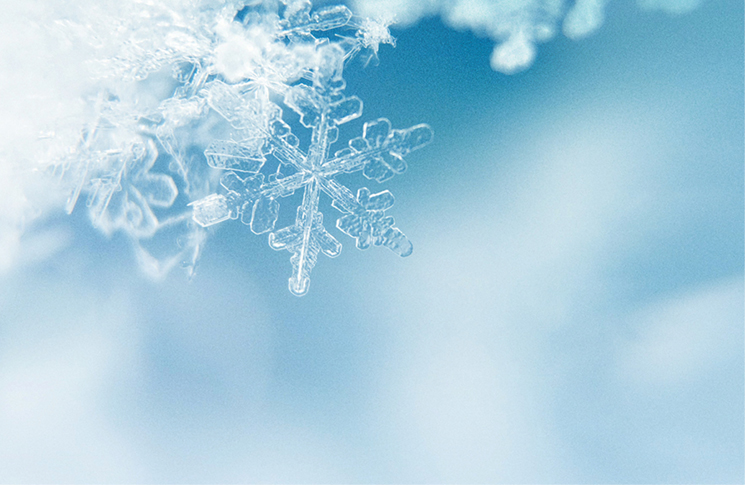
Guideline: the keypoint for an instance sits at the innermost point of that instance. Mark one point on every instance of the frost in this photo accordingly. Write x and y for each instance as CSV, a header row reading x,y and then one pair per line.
x,y
218,111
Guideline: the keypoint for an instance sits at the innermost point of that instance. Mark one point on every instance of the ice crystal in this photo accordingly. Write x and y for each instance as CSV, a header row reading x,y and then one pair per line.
x,y
193,129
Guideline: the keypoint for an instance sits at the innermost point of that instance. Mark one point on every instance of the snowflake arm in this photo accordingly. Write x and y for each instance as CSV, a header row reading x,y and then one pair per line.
x,y
379,151
251,198
365,218
304,240
246,156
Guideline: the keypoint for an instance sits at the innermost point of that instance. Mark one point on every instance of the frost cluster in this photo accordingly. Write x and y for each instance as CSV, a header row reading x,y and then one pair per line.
x,y
213,111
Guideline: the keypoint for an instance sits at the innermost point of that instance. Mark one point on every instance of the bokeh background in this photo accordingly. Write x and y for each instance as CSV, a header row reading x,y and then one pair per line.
x,y
572,312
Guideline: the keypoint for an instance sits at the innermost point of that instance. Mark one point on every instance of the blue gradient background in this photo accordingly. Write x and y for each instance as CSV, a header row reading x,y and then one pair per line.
x,y
572,312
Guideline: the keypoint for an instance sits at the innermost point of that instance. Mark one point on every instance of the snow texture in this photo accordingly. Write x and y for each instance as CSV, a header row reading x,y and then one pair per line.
x,y
191,129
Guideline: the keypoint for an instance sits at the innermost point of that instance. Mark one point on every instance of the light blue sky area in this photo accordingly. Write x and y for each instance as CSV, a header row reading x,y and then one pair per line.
x,y
572,312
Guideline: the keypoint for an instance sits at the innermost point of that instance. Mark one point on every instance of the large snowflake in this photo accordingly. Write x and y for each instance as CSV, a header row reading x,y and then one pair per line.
x,y
234,68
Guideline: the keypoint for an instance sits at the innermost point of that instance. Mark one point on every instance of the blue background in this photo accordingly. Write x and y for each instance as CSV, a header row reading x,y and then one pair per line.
x,y
572,312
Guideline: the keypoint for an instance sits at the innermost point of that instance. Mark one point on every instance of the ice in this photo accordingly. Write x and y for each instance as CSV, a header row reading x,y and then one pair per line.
x,y
304,240
345,110
299,19
124,196
380,150
331,17
211,210
239,111
264,215
221,113
374,32
241,157
378,153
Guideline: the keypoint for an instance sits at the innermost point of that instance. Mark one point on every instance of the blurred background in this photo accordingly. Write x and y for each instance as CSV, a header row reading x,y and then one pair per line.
x,y
572,311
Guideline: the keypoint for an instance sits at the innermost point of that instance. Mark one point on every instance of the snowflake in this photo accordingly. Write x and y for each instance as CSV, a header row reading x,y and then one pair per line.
x,y
378,153
198,156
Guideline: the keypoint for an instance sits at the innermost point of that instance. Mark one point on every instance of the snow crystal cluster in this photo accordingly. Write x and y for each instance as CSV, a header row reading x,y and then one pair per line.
x,y
197,122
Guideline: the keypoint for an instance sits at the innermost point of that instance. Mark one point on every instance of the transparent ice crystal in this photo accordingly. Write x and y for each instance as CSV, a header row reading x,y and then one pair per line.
x,y
200,120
